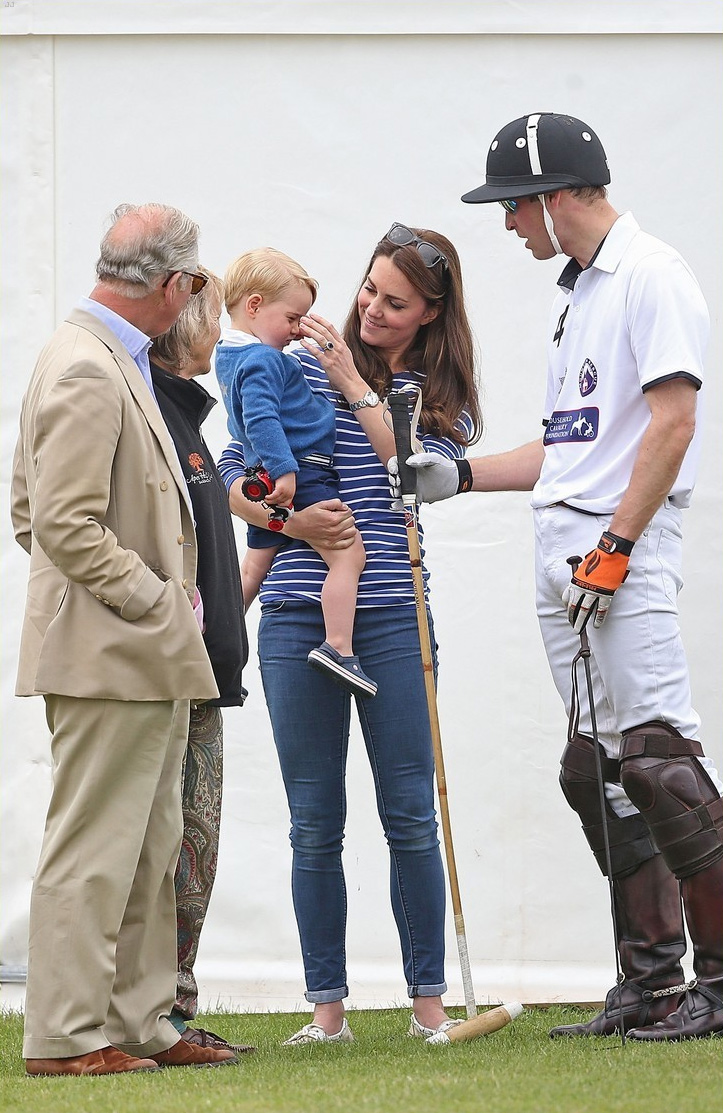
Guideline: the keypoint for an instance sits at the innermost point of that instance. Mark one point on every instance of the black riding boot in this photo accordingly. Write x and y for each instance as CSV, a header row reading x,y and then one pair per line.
x,y
700,1013
651,943
663,775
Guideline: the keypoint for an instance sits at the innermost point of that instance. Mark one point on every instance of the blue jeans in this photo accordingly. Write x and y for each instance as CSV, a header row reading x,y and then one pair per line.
x,y
310,717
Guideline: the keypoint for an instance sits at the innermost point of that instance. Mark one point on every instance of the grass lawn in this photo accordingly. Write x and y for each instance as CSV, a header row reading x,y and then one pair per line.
x,y
516,1070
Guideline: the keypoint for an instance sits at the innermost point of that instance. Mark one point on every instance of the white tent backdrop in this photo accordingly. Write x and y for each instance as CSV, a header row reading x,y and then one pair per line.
x,y
312,126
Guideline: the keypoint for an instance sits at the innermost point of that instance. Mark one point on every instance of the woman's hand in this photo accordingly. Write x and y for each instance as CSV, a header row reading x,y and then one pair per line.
x,y
323,525
323,341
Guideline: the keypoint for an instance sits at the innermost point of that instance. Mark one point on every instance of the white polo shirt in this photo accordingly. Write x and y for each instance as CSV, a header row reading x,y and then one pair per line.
x,y
634,317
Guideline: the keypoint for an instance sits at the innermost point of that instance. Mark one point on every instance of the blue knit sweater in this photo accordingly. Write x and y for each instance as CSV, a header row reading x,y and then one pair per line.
x,y
298,572
271,408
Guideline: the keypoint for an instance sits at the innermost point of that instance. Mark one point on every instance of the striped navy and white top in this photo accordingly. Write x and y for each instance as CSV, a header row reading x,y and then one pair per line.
x,y
298,572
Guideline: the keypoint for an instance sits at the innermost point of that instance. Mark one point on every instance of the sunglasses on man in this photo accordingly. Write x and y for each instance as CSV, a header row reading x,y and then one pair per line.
x,y
512,205
198,281
430,255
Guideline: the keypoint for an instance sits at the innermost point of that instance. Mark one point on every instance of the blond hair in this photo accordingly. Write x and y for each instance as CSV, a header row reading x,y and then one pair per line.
x,y
264,271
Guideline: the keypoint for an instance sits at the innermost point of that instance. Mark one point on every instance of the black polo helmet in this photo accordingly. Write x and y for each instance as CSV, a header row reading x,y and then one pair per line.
x,y
541,153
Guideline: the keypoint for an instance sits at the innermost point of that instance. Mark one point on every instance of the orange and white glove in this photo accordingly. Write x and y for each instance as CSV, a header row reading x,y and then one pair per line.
x,y
590,592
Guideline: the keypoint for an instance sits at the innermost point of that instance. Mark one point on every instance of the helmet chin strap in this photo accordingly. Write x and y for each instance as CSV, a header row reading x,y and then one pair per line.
x,y
536,168
550,226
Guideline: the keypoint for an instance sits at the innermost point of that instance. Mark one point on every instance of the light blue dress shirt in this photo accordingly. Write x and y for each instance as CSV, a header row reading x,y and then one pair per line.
x,y
132,338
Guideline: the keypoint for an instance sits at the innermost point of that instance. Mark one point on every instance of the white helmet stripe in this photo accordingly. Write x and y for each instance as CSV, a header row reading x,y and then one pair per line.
x,y
536,168
532,149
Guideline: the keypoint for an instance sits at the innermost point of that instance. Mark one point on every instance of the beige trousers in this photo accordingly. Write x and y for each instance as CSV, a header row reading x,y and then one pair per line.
x,y
102,953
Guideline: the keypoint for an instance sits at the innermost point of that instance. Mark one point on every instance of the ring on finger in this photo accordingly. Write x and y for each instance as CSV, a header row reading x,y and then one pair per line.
x,y
329,347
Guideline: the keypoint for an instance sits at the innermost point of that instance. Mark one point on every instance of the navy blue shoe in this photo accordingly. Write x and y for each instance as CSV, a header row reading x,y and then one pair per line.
x,y
344,670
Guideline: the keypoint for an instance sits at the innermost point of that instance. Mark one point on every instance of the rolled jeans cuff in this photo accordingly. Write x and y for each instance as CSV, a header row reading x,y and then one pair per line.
x,y
427,990
326,996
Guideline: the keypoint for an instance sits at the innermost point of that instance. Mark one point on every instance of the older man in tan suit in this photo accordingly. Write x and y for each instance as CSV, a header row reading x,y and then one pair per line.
x,y
111,639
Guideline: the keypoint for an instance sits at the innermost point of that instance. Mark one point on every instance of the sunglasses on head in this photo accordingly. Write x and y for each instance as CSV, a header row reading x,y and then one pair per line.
x,y
402,236
198,281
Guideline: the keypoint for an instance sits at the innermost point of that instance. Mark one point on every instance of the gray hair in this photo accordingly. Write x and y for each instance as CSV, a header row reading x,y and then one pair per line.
x,y
145,243
173,348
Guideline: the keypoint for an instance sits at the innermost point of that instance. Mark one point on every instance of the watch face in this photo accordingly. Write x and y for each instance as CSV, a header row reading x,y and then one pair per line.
x,y
369,399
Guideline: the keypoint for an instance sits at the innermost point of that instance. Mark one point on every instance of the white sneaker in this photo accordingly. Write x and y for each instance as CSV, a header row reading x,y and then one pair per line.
x,y
313,1033
417,1029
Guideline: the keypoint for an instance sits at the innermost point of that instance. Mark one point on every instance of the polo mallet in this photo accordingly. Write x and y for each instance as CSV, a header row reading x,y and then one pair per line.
x,y
583,654
483,1025
398,402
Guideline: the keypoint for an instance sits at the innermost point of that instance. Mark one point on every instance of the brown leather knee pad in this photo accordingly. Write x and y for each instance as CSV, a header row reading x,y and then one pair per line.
x,y
671,789
629,838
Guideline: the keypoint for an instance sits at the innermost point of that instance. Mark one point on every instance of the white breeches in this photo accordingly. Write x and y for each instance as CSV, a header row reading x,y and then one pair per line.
x,y
637,661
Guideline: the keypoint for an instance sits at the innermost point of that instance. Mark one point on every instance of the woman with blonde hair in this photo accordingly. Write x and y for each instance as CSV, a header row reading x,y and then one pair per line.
x,y
177,358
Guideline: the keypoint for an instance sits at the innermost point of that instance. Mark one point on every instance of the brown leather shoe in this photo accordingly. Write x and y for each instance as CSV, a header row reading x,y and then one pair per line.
x,y
203,1038
185,1054
107,1060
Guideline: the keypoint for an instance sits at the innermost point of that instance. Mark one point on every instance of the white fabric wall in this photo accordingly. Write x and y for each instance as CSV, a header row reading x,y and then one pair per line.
x,y
312,126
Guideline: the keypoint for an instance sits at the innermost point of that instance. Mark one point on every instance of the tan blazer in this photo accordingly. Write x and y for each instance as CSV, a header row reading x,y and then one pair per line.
x,y
100,503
